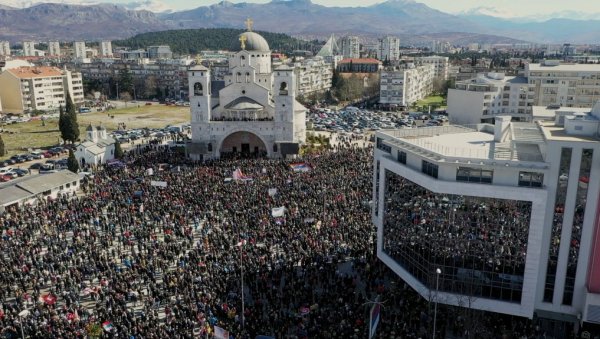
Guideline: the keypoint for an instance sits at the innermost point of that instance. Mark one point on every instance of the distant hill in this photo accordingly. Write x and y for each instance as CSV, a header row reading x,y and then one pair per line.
x,y
71,22
408,19
191,41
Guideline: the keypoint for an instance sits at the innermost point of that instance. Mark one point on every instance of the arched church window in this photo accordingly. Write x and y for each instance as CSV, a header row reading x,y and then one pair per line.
x,y
283,89
239,76
198,89
247,76
243,57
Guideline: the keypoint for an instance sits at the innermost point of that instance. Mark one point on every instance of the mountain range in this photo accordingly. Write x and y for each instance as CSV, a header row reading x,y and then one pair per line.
x,y
412,21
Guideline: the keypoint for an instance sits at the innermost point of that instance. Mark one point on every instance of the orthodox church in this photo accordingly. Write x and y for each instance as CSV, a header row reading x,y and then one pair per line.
x,y
97,148
256,113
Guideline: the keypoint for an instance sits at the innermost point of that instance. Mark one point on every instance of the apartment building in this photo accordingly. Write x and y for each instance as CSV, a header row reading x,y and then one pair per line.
x,y
440,65
502,218
106,49
388,49
568,85
54,48
28,48
313,76
79,50
159,52
169,80
403,85
5,48
483,98
26,89
350,46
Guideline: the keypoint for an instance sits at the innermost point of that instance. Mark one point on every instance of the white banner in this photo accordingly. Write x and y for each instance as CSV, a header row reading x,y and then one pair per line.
x,y
158,183
278,212
272,191
150,171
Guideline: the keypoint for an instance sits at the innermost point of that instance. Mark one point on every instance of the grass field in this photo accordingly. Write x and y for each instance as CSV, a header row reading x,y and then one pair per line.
x,y
432,100
33,135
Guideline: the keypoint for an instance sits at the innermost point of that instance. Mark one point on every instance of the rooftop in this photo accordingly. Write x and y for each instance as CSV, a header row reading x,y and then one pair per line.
x,y
360,61
566,67
25,72
456,143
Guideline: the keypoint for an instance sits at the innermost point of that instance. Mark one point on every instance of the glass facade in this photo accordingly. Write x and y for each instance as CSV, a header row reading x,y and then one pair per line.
x,y
580,202
531,179
478,175
376,198
559,209
429,169
480,244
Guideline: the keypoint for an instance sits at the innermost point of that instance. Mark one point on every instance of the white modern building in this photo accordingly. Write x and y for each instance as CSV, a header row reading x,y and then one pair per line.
x,y
5,48
439,63
54,48
388,49
79,50
97,148
350,46
106,49
256,113
570,85
508,213
487,96
406,84
28,48
313,76
26,89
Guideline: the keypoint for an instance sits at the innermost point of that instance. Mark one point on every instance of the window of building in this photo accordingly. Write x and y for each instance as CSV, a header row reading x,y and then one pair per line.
x,y
402,157
478,175
429,169
382,146
531,179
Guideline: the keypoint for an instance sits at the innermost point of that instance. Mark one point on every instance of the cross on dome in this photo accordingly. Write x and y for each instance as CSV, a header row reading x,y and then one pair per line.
x,y
243,39
249,22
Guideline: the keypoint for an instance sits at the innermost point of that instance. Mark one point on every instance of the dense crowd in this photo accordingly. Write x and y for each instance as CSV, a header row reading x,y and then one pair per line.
x,y
475,240
158,247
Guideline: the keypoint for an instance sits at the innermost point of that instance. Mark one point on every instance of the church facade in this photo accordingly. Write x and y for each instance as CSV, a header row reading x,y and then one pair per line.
x,y
256,113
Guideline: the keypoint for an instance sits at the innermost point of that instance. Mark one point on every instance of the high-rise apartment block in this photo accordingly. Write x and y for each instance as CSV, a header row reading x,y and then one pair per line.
x,y
28,48
350,47
440,65
54,48
567,85
404,85
79,50
4,48
27,89
388,49
106,49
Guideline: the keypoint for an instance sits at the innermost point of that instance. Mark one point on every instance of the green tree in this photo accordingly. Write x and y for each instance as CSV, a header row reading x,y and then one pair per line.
x,y
72,126
118,150
2,149
72,163
125,80
63,124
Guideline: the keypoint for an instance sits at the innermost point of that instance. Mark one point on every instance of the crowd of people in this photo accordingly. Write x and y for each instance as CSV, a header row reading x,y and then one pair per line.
x,y
481,241
159,246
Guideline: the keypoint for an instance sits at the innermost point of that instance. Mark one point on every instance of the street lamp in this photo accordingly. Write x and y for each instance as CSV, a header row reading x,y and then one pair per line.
x,y
22,316
437,284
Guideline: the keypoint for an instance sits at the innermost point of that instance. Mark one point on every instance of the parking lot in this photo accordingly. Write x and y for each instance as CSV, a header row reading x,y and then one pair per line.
x,y
352,119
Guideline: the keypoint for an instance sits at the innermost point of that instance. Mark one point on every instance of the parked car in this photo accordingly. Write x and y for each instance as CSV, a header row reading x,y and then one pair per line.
x,y
36,166
21,172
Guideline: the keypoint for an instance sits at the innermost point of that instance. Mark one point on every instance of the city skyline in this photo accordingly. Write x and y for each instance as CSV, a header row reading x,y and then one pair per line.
x,y
504,8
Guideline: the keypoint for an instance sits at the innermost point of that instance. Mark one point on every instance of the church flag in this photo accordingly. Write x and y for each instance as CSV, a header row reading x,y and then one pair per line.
x,y
300,167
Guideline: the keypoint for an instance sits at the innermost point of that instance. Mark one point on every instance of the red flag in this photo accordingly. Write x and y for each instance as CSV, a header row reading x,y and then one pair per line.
x,y
48,299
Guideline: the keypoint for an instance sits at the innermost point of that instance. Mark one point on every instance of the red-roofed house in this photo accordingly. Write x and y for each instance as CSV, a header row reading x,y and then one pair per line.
x,y
359,65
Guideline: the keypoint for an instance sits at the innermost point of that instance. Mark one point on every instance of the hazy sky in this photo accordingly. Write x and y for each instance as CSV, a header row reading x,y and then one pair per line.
x,y
504,7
